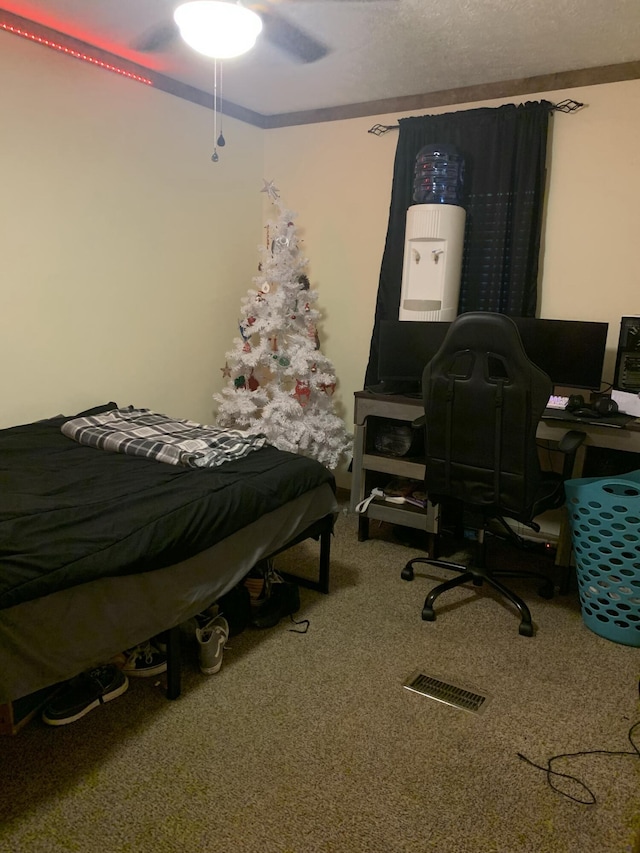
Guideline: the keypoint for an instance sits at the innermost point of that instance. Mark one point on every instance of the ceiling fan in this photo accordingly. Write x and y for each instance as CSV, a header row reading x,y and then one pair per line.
x,y
297,44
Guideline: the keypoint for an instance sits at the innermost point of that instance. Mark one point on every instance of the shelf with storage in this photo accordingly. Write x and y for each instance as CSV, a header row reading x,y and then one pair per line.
x,y
386,447
411,468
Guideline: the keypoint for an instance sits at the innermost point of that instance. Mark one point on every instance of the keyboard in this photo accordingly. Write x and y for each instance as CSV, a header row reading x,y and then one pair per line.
x,y
557,402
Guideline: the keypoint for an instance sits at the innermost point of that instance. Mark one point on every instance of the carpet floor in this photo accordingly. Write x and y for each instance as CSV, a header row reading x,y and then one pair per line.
x,y
308,742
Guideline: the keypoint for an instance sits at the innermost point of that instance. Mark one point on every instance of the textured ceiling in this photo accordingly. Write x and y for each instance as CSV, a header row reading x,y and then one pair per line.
x,y
381,49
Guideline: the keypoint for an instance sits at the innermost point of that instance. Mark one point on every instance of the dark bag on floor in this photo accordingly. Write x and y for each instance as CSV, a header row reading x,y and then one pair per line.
x,y
235,606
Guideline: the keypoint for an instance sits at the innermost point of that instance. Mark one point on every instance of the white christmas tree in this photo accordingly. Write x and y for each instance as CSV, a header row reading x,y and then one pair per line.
x,y
278,381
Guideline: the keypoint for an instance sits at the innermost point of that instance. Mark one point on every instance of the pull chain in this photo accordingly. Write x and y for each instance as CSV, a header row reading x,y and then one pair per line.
x,y
214,156
221,140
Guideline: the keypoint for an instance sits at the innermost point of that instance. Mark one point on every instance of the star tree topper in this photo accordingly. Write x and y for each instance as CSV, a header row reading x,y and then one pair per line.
x,y
270,189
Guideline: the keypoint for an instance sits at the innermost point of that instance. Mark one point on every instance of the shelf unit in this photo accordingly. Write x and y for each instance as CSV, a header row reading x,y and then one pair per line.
x,y
372,468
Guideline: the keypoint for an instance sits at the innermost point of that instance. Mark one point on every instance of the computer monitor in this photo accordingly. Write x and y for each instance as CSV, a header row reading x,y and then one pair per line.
x,y
571,352
404,347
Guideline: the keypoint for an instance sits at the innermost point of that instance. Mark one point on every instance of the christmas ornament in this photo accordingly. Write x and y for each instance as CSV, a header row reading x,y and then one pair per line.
x,y
266,287
303,281
252,382
226,370
239,382
313,334
263,374
302,392
246,347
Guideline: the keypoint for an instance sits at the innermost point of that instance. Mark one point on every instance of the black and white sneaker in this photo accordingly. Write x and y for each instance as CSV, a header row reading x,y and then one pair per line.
x,y
144,660
211,639
84,693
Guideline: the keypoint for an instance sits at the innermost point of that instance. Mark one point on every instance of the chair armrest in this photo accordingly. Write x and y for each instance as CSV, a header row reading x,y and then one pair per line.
x,y
571,441
418,422
568,445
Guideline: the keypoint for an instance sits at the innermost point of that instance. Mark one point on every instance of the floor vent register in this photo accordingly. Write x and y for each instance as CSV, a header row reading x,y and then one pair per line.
x,y
450,694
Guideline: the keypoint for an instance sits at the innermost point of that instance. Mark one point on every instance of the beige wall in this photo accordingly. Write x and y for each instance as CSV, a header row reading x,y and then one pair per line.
x,y
338,177
125,250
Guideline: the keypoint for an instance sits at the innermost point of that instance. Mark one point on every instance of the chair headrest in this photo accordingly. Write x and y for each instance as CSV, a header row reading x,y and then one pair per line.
x,y
486,331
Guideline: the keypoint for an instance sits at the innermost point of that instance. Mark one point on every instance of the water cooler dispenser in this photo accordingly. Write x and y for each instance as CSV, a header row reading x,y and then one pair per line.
x,y
434,237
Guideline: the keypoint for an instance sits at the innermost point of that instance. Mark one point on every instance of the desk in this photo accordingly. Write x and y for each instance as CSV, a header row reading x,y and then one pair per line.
x,y
597,435
370,468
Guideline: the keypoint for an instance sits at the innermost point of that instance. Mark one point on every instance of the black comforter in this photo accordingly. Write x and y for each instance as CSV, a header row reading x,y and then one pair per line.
x,y
70,514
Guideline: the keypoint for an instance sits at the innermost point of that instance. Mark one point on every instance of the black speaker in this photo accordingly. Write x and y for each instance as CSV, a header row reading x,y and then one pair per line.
x,y
627,372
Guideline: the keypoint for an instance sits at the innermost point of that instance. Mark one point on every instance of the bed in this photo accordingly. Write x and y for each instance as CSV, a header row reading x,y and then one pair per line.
x,y
100,550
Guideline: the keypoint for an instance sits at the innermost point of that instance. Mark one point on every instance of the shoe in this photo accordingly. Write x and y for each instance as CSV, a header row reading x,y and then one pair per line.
x,y
160,642
235,606
84,693
212,638
200,620
205,616
144,661
283,601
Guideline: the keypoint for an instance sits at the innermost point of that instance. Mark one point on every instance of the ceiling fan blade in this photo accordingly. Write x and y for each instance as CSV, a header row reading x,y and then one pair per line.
x,y
289,38
157,39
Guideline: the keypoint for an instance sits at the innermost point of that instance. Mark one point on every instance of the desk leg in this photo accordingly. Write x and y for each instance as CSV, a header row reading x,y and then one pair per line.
x,y
357,483
363,528
564,554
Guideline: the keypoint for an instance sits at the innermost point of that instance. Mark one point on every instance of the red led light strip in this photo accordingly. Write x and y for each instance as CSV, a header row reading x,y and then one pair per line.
x,y
75,53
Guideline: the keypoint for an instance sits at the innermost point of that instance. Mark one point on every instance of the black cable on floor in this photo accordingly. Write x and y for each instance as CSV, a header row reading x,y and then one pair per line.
x,y
553,774
304,622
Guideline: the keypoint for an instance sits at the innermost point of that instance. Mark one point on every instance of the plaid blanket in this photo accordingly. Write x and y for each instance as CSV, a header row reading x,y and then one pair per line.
x,y
141,432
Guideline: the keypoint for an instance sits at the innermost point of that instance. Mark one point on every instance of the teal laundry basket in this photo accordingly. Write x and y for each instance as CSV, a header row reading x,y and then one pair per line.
x,y
604,514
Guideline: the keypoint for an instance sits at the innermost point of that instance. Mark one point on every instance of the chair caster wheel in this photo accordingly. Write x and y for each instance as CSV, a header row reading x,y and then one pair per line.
x,y
428,615
526,629
407,573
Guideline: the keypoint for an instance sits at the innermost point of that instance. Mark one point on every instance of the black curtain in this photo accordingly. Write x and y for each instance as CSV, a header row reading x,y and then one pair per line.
x,y
504,149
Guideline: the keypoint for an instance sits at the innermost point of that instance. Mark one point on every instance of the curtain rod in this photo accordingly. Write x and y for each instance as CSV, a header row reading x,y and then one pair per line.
x,y
566,106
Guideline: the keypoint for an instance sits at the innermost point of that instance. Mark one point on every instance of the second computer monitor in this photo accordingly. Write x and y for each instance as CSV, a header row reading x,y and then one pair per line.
x,y
571,352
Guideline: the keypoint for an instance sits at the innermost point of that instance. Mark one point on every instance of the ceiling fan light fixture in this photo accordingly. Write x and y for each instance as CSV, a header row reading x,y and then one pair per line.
x,y
216,28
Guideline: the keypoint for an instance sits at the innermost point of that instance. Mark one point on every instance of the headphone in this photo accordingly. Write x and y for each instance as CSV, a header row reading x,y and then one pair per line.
x,y
602,407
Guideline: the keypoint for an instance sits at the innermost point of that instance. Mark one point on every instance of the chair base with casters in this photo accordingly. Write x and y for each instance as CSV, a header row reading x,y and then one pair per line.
x,y
478,574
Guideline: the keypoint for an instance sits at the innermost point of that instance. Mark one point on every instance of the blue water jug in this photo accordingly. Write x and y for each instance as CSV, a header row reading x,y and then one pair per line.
x,y
438,175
